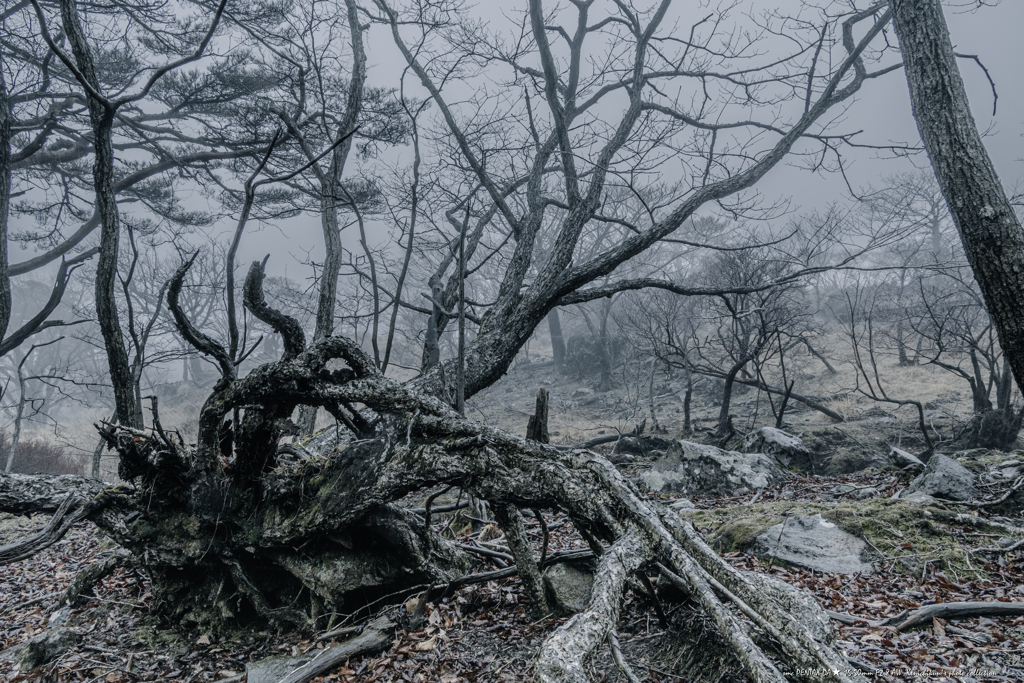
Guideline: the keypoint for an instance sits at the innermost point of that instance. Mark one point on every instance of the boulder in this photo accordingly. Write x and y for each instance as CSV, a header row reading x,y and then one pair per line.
x,y
849,462
701,470
682,505
865,493
905,461
786,448
919,498
944,477
815,543
46,647
801,604
568,585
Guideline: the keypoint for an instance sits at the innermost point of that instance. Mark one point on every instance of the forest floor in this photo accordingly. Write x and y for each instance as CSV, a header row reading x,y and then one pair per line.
x,y
485,633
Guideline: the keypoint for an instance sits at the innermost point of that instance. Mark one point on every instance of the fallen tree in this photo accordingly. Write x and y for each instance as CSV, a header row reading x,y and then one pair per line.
x,y
239,533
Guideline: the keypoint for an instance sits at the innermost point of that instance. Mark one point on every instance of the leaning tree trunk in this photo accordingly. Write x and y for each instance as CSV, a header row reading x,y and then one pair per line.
x,y
238,528
991,233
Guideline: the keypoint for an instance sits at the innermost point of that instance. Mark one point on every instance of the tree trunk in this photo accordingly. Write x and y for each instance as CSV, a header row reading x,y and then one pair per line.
x,y
724,423
687,397
557,341
101,116
901,346
991,234
5,200
537,428
18,417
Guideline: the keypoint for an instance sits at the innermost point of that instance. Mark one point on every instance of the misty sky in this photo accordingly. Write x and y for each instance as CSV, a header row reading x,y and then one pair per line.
x,y
882,111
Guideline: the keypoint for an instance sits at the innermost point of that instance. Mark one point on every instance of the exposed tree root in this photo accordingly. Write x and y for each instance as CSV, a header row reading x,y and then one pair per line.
x,y
69,513
922,616
226,531
375,637
620,660
81,586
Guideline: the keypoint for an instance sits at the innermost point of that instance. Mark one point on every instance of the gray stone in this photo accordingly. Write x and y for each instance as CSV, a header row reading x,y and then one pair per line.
x,y
856,461
800,604
919,498
568,586
273,669
904,460
701,470
814,543
786,448
46,647
944,477
682,505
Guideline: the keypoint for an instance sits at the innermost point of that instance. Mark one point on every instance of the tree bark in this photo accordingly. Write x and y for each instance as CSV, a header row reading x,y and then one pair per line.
x,y
537,428
5,200
989,229
557,341
724,424
101,116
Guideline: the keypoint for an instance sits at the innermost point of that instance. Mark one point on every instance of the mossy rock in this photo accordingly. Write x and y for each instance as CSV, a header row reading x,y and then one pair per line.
x,y
904,534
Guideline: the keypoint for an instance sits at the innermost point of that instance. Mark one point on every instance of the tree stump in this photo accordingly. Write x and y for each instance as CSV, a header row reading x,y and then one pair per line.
x,y
537,428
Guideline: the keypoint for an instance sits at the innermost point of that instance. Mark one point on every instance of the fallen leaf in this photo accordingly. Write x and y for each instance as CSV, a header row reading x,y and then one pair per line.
x,y
426,645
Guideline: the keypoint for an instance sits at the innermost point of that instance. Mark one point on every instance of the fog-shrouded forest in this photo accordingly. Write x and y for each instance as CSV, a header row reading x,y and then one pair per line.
x,y
357,340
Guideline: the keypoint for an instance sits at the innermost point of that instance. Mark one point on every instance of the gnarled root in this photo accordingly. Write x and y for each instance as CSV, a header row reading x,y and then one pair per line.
x,y
241,535
564,653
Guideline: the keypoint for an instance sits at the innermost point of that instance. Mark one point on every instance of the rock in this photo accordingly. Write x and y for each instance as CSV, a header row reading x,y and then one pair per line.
x,y
787,449
59,618
855,461
919,498
568,586
682,505
814,543
273,669
865,493
1009,470
801,604
905,461
944,477
46,647
701,470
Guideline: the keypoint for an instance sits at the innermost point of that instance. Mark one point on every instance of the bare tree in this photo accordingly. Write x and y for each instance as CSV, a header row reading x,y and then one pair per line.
x,y
961,339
